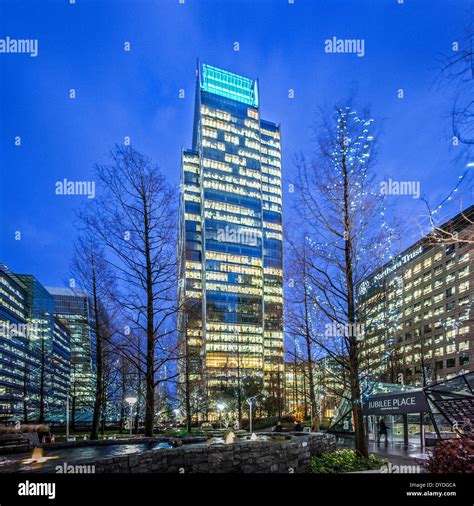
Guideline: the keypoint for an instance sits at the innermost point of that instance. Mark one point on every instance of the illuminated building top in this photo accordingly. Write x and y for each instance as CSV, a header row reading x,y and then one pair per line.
x,y
226,84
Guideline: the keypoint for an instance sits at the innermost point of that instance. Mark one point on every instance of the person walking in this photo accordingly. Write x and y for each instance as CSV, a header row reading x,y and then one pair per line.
x,y
383,428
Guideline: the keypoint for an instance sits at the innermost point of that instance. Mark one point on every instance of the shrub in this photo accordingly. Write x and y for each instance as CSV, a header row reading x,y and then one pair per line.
x,y
344,461
453,456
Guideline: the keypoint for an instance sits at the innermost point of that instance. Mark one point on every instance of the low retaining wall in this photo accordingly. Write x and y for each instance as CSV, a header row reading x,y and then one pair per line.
x,y
109,442
286,456
18,442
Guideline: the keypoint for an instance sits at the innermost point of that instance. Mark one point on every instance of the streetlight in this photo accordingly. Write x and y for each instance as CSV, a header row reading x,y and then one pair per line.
x,y
131,402
250,402
220,407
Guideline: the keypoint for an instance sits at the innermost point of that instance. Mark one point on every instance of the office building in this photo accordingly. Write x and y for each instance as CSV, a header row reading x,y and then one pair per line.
x,y
296,389
34,351
72,308
417,309
328,379
230,239
15,360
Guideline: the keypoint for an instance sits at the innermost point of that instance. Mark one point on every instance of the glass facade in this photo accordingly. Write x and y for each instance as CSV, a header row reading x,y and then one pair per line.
x,y
15,360
40,314
230,244
60,367
297,391
417,311
328,379
72,307
34,351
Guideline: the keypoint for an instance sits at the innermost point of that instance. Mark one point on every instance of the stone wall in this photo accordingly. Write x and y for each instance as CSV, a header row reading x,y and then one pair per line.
x,y
18,442
286,456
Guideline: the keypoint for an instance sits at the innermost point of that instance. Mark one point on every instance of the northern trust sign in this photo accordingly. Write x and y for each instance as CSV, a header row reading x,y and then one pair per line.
x,y
393,404
393,266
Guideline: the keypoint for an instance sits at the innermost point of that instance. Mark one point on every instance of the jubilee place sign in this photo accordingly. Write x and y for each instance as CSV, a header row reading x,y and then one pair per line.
x,y
397,403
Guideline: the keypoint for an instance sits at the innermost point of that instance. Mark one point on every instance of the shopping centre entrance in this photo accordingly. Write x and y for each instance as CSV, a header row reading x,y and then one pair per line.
x,y
404,415
414,417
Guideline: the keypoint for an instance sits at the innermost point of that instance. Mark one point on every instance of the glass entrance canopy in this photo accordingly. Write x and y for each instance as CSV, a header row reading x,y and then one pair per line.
x,y
450,403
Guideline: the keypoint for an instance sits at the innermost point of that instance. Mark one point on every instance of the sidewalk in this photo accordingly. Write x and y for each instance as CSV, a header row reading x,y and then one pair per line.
x,y
399,455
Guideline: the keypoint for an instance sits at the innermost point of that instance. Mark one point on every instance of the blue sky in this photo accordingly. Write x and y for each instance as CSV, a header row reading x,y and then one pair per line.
x,y
136,94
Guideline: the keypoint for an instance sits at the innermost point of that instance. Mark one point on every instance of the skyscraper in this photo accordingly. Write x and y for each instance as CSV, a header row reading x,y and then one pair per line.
x,y
34,351
15,359
230,240
72,307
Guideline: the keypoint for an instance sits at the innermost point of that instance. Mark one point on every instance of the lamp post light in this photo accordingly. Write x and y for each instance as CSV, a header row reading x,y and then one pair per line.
x,y
220,407
131,402
250,402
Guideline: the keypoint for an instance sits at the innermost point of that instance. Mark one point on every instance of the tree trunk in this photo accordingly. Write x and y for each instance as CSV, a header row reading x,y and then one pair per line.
x,y
99,358
42,382
239,387
279,394
25,395
73,411
187,386
150,331
358,419
122,403
315,422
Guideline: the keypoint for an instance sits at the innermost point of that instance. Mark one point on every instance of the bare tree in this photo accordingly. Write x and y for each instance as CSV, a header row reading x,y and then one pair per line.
x,y
457,70
457,78
452,232
134,219
299,322
336,199
93,273
124,368
190,314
